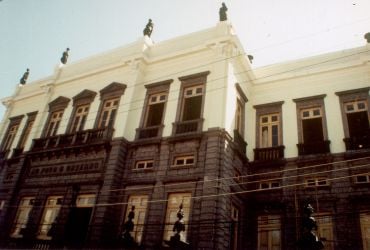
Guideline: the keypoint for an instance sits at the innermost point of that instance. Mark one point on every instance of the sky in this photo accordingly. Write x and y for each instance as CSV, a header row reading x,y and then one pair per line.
x,y
34,33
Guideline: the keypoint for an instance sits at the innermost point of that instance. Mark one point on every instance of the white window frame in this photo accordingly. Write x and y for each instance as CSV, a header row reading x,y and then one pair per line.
x,y
356,107
317,182
363,175
146,164
54,123
188,160
269,185
81,114
51,212
193,93
86,200
173,204
141,207
21,219
270,224
269,124
113,106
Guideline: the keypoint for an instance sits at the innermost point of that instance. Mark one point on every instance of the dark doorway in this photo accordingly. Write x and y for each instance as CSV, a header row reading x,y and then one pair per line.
x,y
312,131
77,226
358,123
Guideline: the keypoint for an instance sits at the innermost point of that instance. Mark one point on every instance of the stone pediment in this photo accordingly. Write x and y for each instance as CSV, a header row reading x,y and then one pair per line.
x,y
113,89
60,102
84,97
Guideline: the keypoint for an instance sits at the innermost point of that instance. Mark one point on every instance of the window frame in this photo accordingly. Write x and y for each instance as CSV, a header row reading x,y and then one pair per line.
x,y
10,135
173,209
139,223
184,158
269,109
270,185
306,103
113,91
315,182
269,227
45,225
18,226
158,88
241,100
57,105
145,162
26,131
191,81
84,98
354,95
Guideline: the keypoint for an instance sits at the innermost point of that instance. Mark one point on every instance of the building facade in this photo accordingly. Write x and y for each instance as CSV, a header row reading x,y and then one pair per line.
x,y
188,122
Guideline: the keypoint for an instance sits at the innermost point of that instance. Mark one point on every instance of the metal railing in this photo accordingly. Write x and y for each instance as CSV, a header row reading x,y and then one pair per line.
x,y
79,138
320,147
269,154
184,127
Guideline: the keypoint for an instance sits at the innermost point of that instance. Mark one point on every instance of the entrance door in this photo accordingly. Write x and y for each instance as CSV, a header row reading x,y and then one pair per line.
x,y
365,229
77,226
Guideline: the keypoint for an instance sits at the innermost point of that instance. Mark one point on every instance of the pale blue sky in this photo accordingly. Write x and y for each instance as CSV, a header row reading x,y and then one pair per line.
x,y
34,33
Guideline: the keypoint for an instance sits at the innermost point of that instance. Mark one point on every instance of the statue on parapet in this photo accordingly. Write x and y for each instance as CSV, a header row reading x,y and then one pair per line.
x,y
64,57
222,12
148,28
24,78
309,240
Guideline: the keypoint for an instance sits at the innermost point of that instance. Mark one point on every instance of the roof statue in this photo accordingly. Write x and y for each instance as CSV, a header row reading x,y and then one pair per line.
x,y
148,28
64,57
222,12
23,80
367,37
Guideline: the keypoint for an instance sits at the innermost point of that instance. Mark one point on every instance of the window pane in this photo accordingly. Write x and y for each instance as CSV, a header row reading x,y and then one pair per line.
x,y
316,112
155,114
265,137
358,123
361,105
192,108
275,136
312,130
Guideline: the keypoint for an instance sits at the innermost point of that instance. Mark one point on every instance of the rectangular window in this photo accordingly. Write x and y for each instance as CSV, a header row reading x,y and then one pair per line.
x,y
239,117
54,122
316,182
234,227
184,160
79,118
21,219
51,211
269,130
173,206
269,184
155,109
365,230
108,113
357,118
269,232
362,179
86,200
26,131
325,230
147,164
312,127
192,103
140,202
9,137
